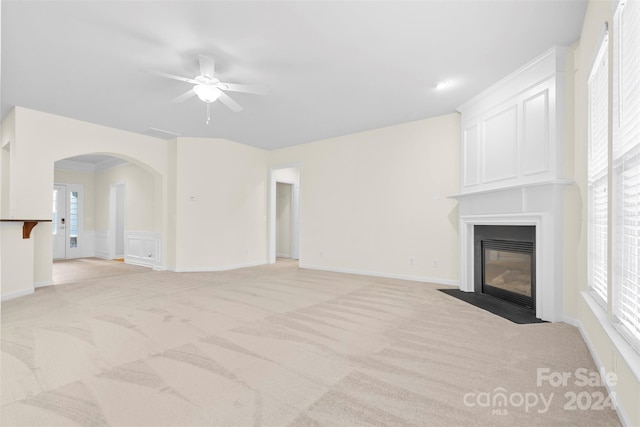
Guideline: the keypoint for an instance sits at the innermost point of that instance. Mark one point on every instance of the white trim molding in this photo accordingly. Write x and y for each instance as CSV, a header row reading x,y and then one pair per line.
x,y
44,284
630,356
16,294
101,244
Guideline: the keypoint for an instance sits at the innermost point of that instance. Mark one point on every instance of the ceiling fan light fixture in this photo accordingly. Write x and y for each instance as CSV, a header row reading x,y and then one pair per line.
x,y
207,93
443,84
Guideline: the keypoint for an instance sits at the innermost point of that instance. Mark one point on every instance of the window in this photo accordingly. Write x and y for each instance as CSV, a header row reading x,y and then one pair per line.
x,y
73,219
598,176
626,170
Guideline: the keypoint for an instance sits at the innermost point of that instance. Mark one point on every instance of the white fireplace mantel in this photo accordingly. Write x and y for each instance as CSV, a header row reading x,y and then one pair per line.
x,y
536,205
512,151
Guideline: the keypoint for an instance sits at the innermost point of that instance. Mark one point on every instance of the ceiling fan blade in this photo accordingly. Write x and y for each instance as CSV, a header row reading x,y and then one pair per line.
x,y
233,87
207,66
172,76
181,98
230,103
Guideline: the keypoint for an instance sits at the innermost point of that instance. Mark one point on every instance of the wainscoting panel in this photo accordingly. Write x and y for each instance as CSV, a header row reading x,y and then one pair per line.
x,y
143,248
101,244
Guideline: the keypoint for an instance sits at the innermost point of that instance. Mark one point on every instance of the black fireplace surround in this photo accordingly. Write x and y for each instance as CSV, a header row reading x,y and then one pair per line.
x,y
505,263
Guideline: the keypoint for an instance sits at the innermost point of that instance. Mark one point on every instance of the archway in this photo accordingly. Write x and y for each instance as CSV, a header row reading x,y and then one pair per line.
x,y
118,209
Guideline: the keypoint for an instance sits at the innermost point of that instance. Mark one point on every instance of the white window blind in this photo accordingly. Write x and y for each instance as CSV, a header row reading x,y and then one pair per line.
x,y
626,169
598,104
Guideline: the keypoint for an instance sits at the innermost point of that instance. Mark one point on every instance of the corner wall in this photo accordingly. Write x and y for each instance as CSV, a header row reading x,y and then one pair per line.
x,y
376,202
221,205
609,350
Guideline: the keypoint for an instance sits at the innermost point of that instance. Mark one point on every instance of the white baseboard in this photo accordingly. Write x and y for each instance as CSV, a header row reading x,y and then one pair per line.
x,y
571,321
138,262
16,294
624,419
43,284
434,280
101,255
213,269
283,255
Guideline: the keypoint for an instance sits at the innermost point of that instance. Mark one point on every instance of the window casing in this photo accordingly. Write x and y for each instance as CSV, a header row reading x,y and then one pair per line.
x,y
626,171
598,176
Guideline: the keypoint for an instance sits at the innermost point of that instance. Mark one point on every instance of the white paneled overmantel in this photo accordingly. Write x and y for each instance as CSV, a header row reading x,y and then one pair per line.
x,y
512,132
511,164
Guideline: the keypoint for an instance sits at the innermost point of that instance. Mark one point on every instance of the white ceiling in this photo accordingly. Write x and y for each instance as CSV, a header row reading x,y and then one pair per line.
x,y
331,67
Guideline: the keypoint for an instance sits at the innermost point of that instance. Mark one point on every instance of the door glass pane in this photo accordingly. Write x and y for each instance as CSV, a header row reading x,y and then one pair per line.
x,y
73,219
506,270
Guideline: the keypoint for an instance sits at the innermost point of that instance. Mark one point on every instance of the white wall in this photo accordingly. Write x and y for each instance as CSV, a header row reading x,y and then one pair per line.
x,y
143,212
221,205
375,201
41,139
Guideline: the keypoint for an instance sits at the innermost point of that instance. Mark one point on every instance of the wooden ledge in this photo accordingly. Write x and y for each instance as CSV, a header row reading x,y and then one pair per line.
x,y
27,225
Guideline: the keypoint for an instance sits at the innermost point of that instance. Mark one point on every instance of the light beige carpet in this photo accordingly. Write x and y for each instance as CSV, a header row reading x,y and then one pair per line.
x,y
276,346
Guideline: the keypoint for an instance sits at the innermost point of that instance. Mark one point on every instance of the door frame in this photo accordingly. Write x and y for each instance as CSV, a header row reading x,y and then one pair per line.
x,y
113,232
295,220
82,242
62,188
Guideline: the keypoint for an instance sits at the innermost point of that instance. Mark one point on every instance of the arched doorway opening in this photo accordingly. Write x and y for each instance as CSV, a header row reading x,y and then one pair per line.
x,y
107,206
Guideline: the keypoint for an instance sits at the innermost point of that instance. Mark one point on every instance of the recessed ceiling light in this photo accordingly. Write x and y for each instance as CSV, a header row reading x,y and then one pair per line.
x,y
442,84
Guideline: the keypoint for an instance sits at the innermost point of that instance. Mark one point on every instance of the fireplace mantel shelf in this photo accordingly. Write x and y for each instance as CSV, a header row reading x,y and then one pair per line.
x,y
27,225
511,187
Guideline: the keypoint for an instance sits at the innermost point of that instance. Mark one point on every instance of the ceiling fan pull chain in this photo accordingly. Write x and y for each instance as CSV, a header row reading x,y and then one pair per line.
x,y
208,112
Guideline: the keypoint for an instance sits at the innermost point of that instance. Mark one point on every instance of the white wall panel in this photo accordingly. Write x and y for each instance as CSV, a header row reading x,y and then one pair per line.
x,y
520,138
500,146
102,244
535,140
471,153
143,248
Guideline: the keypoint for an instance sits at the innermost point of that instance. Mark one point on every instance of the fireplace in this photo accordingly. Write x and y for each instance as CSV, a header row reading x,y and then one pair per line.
x,y
505,263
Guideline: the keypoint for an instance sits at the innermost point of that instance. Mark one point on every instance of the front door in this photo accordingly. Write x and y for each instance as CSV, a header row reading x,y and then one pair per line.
x,y
59,221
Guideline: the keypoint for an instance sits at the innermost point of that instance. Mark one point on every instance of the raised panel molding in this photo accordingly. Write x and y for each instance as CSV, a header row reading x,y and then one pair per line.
x,y
471,153
500,146
101,243
535,141
519,139
143,248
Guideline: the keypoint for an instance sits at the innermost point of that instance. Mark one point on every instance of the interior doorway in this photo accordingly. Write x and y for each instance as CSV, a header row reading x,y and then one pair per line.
x,y
284,213
284,220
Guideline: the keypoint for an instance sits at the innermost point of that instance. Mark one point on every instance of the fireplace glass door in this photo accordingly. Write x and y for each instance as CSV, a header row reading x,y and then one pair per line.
x,y
507,271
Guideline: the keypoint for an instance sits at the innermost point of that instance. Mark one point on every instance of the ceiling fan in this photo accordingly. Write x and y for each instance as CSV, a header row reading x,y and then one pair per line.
x,y
209,89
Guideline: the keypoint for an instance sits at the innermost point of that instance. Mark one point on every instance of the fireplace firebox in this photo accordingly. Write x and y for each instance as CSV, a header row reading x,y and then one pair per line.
x,y
505,263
